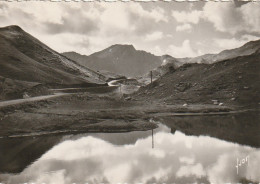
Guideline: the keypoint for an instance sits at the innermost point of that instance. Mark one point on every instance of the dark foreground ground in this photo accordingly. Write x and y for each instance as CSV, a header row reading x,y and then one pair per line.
x,y
85,112
88,112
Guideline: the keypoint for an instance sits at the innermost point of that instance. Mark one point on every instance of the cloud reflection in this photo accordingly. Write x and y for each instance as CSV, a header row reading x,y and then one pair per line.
x,y
176,158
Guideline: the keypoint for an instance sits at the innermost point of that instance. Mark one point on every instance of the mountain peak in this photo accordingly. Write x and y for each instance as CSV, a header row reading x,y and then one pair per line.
x,y
12,28
126,46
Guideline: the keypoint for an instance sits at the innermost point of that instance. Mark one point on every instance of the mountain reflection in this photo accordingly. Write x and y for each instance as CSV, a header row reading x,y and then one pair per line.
x,y
175,157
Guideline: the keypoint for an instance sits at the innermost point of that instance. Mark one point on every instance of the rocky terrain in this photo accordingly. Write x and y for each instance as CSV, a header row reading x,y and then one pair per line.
x,y
230,82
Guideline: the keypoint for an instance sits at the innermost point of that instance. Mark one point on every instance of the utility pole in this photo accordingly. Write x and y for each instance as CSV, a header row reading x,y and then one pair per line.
x,y
152,140
151,73
120,89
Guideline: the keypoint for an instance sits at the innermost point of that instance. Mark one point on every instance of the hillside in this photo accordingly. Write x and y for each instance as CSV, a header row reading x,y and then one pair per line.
x,y
25,58
14,89
247,49
119,59
169,63
234,81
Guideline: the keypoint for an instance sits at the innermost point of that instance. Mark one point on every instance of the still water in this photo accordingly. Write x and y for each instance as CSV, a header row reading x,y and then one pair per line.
x,y
161,156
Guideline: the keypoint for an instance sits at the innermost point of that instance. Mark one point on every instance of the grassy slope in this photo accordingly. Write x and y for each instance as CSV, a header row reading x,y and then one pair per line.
x,y
14,89
23,57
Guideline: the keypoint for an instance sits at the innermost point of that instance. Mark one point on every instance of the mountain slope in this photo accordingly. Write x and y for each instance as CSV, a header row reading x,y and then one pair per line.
x,y
234,81
169,63
119,59
247,49
25,58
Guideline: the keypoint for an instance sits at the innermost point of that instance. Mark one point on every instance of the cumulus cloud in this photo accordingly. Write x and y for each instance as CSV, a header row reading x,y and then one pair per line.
x,y
72,26
145,21
184,27
187,17
157,13
233,42
187,160
157,50
185,50
52,12
154,36
114,16
226,17
233,19
110,22
196,170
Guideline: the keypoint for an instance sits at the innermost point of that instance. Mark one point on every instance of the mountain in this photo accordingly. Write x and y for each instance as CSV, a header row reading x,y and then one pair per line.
x,y
119,59
28,67
232,81
170,63
247,49
25,58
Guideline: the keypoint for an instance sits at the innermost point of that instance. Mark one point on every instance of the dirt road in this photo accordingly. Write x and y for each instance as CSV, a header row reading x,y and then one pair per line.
x,y
32,99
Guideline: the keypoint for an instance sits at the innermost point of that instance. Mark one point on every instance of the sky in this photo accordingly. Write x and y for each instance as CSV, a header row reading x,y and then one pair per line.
x,y
180,29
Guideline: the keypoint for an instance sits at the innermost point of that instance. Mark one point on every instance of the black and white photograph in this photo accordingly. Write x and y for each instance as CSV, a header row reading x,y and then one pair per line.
x,y
129,92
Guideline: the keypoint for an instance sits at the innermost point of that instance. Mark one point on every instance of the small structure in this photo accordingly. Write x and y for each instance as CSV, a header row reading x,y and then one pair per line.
x,y
25,95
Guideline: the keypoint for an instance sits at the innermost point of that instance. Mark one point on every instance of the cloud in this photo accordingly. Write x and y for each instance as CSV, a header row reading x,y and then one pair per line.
x,y
185,50
187,17
114,16
157,13
184,27
157,50
52,11
226,17
196,170
233,42
84,27
233,19
90,27
154,36
58,16
187,160
145,21
71,26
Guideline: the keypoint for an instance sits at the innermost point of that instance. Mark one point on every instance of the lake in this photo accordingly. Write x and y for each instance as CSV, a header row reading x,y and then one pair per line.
x,y
162,155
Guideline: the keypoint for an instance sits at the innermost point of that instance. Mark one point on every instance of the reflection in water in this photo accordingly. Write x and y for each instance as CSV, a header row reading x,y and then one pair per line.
x,y
242,128
175,158
17,153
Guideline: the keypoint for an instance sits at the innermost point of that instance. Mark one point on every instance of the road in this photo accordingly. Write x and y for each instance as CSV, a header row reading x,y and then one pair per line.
x,y
31,99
